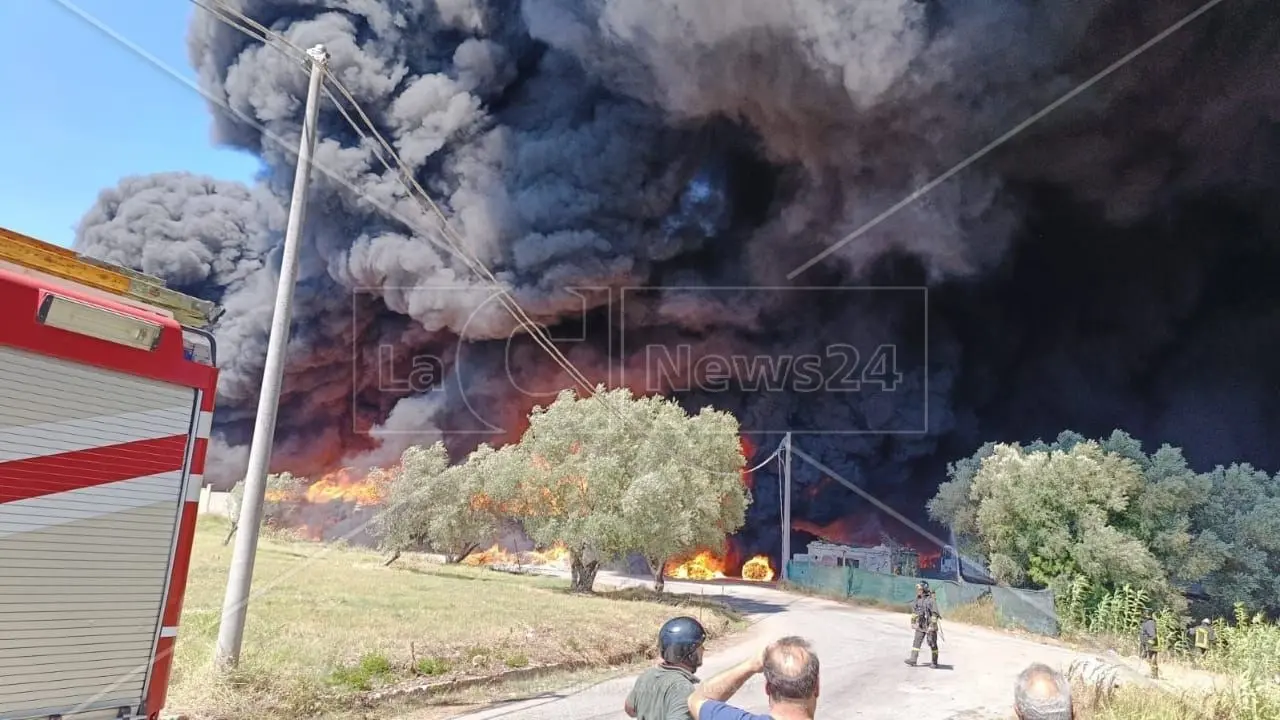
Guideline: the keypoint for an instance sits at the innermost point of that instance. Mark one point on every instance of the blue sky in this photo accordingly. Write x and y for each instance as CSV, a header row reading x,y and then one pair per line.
x,y
80,110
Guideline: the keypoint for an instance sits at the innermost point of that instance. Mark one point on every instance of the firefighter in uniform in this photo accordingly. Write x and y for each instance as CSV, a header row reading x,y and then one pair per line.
x,y
924,619
1204,637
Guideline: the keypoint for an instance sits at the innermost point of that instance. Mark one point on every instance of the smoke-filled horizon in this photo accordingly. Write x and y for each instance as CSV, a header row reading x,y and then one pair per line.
x,y
1109,267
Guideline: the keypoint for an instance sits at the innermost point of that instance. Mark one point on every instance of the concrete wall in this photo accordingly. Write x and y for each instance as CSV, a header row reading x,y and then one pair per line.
x,y
214,502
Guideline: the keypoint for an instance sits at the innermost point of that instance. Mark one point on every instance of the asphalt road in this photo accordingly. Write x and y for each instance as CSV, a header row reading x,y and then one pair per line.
x,y
861,651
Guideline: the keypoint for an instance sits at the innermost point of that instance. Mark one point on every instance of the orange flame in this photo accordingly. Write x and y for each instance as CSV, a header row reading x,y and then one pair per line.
x,y
703,566
758,569
536,496
557,554
748,450
344,485
493,556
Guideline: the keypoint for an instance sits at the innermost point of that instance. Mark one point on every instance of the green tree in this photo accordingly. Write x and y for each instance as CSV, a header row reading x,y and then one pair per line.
x,y
282,488
1161,514
464,520
434,504
1221,528
690,499
570,479
1240,530
403,522
1046,515
953,506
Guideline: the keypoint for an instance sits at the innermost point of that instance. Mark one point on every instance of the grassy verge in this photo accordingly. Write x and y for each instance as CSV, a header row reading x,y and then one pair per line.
x,y
329,624
1239,701
983,612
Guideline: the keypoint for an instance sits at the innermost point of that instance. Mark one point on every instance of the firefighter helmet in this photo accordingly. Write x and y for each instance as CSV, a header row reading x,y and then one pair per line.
x,y
679,641
923,586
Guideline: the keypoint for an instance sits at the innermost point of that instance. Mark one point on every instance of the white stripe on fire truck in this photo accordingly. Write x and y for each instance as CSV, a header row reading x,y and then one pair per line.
x,y
23,442
204,425
48,511
193,488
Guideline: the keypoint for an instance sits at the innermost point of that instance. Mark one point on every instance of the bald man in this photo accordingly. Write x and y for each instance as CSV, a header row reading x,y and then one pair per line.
x,y
790,670
1042,693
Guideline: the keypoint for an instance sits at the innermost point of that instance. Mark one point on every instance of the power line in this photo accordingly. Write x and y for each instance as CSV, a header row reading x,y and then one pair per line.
x,y
238,20
247,25
772,455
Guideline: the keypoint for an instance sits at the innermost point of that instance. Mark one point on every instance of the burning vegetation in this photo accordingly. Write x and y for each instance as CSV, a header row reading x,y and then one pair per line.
x,y
706,565
580,485
703,566
315,509
556,556
1076,278
346,485
578,497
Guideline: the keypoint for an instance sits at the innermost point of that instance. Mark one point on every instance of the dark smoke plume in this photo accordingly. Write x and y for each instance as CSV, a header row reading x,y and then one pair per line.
x,y
1108,267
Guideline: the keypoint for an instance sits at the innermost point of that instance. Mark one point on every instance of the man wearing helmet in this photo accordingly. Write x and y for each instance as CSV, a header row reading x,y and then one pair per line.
x,y
924,619
662,692
1203,637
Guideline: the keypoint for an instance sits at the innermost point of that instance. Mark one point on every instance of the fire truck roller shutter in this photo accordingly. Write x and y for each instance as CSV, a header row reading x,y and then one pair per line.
x,y
91,484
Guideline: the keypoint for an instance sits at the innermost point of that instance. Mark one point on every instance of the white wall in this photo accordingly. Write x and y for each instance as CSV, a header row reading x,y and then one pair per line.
x,y
213,502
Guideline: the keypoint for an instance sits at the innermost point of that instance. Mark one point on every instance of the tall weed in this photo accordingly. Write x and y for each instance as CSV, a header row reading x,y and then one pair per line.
x,y
1246,649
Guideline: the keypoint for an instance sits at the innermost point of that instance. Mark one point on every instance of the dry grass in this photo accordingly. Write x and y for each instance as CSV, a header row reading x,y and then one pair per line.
x,y
454,702
1241,701
328,624
982,612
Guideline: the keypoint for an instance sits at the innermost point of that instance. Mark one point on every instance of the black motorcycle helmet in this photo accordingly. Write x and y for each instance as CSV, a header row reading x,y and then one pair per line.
x,y
680,640
923,587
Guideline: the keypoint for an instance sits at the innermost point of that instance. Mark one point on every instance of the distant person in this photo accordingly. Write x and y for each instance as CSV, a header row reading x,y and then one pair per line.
x,y
924,619
1042,693
790,670
1204,637
1149,643
662,692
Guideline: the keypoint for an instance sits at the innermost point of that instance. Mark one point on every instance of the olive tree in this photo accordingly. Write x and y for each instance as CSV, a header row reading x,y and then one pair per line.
x,y
281,488
437,505
690,498
460,520
1050,515
1240,526
606,474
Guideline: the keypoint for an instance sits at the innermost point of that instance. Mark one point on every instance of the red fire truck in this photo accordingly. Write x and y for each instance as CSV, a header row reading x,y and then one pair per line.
x,y
107,383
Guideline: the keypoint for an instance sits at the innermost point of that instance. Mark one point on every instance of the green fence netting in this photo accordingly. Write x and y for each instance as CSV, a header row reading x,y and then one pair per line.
x,y
1029,609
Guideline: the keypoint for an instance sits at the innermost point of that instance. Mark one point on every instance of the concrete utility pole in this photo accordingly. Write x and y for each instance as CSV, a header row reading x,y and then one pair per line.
x,y
236,603
786,505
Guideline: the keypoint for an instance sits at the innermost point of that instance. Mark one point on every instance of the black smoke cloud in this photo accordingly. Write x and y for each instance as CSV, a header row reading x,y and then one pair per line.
x,y
1107,267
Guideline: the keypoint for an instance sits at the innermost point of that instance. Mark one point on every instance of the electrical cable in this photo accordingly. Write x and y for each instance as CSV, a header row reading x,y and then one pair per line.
x,y
236,19
239,20
773,455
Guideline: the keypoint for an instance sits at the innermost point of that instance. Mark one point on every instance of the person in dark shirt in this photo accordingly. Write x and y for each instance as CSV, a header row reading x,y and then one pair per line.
x,y
1149,642
790,670
662,692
